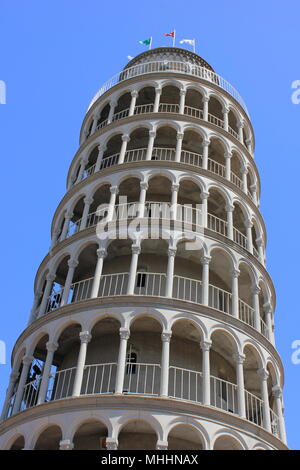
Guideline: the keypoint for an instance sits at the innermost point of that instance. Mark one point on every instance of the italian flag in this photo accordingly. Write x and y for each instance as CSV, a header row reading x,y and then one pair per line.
x,y
146,42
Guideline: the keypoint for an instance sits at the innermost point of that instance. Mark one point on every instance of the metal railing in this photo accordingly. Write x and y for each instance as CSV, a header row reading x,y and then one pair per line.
x,y
120,115
142,378
215,120
150,284
144,108
240,238
61,384
254,408
185,384
168,108
233,133
236,180
113,284
193,112
246,313
99,379
216,167
191,158
135,155
170,66
223,395
219,299
187,289
216,224
31,393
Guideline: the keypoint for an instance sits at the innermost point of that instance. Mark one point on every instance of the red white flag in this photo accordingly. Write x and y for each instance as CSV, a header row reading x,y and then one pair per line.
x,y
170,34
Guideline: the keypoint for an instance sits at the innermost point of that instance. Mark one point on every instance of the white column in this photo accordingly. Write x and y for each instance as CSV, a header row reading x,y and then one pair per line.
x,y
277,394
204,197
174,199
205,260
244,172
249,226
134,95
27,360
95,120
112,202
205,146
253,189
101,149
64,233
178,146
268,316
85,338
239,361
111,443
157,100
9,392
51,348
249,145
255,300
240,126
161,445
170,272
152,135
260,246
143,192
81,170
124,337
49,281
228,156
34,312
229,214
66,444
133,267
225,117
235,292
112,104
54,238
205,101
165,360
72,263
125,140
101,253
205,346
87,202
264,374
182,101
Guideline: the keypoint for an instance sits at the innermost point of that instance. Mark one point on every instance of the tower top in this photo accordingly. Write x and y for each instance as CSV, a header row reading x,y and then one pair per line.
x,y
169,53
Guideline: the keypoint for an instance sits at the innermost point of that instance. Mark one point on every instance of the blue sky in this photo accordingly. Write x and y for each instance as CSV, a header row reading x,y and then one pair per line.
x,y
56,54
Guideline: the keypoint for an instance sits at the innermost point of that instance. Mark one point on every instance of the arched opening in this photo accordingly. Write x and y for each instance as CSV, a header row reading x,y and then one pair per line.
x,y
91,435
253,398
49,439
114,279
215,109
169,100
18,444
102,120
220,274
90,166
151,269
74,224
192,148
233,123
236,167
137,435
98,208
216,157
227,443
165,144
123,104
56,291
193,103
239,226
216,212
246,284
137,145
185,437
112,151
145,98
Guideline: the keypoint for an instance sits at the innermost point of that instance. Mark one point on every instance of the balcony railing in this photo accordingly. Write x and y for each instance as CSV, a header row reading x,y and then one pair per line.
x,y
170,66
144,379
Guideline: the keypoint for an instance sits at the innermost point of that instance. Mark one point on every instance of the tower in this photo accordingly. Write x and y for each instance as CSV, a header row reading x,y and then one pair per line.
x,y
152,322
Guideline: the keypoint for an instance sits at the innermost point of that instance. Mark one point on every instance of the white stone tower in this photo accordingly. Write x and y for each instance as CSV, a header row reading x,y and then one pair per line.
x,y
152,323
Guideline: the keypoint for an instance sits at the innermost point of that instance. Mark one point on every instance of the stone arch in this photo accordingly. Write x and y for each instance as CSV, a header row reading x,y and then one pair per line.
x,y
47,432
227,439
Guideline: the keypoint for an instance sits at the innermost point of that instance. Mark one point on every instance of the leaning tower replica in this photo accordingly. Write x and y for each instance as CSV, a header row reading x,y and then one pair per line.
x,y
152,325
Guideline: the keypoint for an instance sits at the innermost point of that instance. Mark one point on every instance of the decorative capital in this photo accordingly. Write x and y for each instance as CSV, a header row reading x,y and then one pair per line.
x,y
174,187
235,273
182,92
101,252
135,249
124,333
158,90
67,444
226,109
50,277
13,376
134,93
88,200
205,142
277,392
239,358
205,259
229,208
180,135
166,336
204,195
162,445
72,263
248,223
144,185
114,189
263,373
205,345
111,444
27,360
125,138
205,99
51,347
228,154
152,134
244,169
255,289
112,103
85,337
172,251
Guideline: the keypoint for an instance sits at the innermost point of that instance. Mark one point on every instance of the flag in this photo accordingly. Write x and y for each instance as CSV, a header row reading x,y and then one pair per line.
x,y
146,42
191,42
130,57
170,34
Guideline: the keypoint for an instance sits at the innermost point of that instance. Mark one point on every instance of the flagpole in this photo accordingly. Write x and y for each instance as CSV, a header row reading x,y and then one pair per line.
x,y
150,43
174,37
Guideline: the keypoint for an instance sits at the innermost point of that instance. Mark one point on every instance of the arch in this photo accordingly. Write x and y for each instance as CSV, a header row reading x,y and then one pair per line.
x,y
16,442
43,433
185,436
153,422
227,439
204,435
88,433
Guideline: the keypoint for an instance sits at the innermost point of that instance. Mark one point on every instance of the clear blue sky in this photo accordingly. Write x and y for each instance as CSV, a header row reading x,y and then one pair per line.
x,y
56,54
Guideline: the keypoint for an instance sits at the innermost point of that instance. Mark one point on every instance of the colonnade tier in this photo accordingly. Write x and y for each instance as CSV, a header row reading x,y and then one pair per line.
x,y
154,293
161,354
181,140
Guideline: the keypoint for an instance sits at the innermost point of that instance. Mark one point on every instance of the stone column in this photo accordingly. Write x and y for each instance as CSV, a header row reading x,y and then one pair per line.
x,y
165,360
260,246
157,99
205,260
225,117
134,95
264,374
111,444
205,346
34,311
54,238
244,172
255,299
170,272
113,195
133,267
240,126
81,171
205,101
249,145
27,361
249,226
125,140
66,444
101,253
124,336
85,338
152,135
143,192
277,394
101,150
72,263
9,392
229,214
253,188
239,361
178,146
174,198
64,233
162,445
182,101
268,316
87,203
112,104
51,348
235,292
49,282
228,156
205,145
95,120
